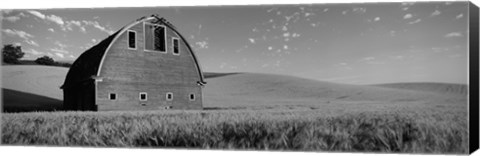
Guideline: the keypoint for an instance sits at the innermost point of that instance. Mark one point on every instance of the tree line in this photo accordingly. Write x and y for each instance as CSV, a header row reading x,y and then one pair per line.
x,y
12,55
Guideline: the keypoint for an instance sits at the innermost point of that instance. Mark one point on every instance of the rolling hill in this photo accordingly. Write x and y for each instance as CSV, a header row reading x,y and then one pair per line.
x,y
443,88
28,86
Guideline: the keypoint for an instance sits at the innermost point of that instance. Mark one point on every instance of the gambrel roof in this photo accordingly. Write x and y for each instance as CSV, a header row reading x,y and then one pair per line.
x,y
88,65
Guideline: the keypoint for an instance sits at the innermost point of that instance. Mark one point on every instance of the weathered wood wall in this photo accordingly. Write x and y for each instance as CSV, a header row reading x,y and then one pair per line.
x,y
128,72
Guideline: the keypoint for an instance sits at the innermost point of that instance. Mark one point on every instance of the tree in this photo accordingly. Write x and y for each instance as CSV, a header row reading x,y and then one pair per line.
x,y
12,53
45,60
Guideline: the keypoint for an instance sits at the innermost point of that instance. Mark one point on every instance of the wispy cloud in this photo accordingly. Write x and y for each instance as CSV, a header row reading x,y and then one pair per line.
x,y
459,16
34,52
59,50
32,42
51,18
36,13
453,34
21,34
60,55
14,18
97,25
435,13
251,40
202,44
407,16
376,19
416,21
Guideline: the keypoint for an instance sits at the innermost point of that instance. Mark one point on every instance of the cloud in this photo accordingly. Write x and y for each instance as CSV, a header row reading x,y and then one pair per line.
x,y
69,25
359,10
376,19
453,34
15,18
61,45
6,11
271,9
270,48
52,18
97,25
407,16
325,10
285,47
295,35
202,44
21,34
344,12
459,16
59,50
252,40
56,19
370,58
435,13
12,18
408,3
36,13
32,42
60,55
94,40
416,21
34,52
51,30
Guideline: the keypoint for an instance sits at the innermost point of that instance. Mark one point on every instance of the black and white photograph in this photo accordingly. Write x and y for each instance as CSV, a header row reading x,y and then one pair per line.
x,y
358,77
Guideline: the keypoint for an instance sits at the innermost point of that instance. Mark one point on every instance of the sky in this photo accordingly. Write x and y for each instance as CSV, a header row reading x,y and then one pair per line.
x,y
353,43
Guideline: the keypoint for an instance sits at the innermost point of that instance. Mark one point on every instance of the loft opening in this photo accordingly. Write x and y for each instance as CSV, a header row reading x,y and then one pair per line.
x,y
155,37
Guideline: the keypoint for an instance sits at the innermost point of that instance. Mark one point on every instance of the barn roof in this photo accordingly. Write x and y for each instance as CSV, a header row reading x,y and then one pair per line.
x,y
87,66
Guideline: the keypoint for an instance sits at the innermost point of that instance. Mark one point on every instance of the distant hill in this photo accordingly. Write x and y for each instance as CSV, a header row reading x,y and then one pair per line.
x,y
443,88
33,85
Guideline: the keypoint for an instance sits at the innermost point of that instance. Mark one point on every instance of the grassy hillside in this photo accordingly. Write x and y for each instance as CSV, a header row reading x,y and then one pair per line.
x,y
38,80
245,91
252,89
247,111
442,88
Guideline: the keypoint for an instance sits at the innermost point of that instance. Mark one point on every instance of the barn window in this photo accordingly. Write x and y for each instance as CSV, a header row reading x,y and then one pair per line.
x,y
155,37
169,96
113,96
176,50
192,97
132,39
143,96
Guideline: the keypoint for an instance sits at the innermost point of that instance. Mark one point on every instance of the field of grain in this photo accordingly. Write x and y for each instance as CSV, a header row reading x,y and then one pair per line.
x,y
253,130
249,111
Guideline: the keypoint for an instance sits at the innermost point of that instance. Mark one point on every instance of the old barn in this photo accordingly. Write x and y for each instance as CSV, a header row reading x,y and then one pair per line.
x,y
146,65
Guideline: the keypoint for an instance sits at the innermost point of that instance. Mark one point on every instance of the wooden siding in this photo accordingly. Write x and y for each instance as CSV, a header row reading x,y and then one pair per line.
x,y
128,72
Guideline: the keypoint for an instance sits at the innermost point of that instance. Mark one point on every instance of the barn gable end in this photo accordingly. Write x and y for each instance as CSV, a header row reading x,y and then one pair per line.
x,y
124,78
